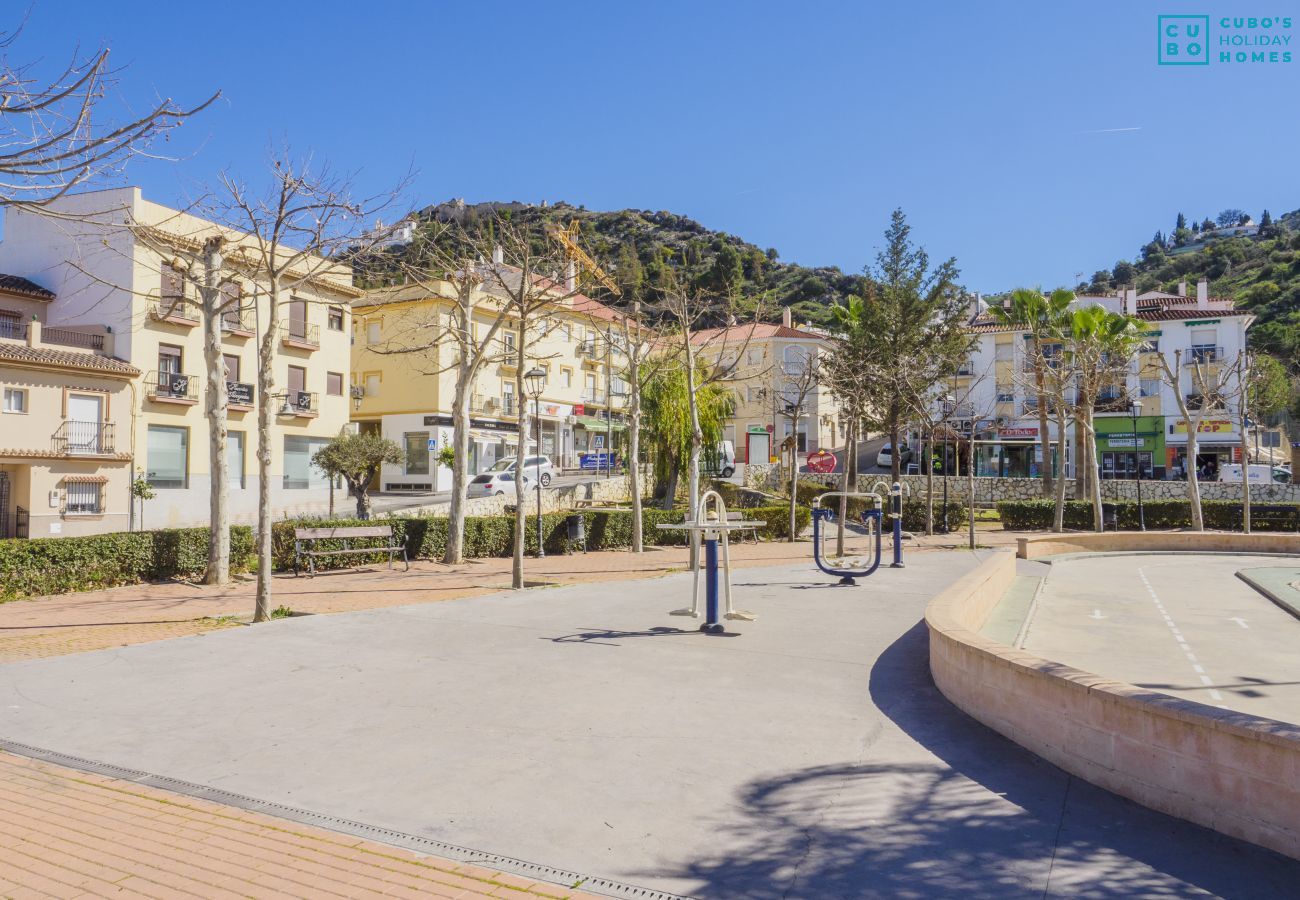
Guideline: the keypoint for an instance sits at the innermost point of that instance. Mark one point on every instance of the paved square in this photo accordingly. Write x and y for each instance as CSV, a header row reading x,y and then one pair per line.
x,y
578,727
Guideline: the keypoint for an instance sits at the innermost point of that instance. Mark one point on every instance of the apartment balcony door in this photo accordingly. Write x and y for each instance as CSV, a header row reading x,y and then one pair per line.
x,y
298,318
85,419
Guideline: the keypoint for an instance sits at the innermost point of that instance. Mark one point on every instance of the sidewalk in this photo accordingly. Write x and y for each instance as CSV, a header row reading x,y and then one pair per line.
x,y
74,834
95,620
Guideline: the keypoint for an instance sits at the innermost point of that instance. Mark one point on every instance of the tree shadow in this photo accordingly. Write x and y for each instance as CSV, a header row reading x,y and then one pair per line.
x,y
607,636
985,819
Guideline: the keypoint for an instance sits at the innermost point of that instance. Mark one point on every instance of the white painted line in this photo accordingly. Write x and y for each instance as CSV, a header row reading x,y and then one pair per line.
x,y
1241,622
1178,636
1199,669
1206,679
1215,695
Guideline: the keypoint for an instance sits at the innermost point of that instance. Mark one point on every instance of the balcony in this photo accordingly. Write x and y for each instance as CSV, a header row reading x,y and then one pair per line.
x,y
1195,402
508,358
13,328
172,387
1112,401
300,404
67,337
592,350
508,406
239,396
1203,354
84,438
300,336
237,323
174,311
483,404
595,397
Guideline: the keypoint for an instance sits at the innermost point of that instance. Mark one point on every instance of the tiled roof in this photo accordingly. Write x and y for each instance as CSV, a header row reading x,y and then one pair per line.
x,y
16,284
984,325
45,356
750,332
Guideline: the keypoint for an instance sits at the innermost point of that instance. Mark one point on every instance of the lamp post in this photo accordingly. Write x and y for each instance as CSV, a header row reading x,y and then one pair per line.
x,y
535,383
1136,407
947,408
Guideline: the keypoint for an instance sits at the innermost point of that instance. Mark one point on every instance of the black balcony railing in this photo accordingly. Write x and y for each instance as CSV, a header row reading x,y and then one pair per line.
x,y
1203,354
239,394
1112,402
13,328
175,310
508,407
171,386
67,337
301,403
237,321
300,333
75,438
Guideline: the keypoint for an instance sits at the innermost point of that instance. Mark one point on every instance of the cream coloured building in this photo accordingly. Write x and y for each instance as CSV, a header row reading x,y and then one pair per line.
x,y
408,396
65,402
102,274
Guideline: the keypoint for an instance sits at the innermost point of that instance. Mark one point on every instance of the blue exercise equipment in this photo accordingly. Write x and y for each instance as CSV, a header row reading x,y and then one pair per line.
x,y
871,519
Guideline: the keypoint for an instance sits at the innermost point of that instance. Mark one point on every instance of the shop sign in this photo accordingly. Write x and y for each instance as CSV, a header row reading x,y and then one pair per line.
x,y
579,409
1207,426
555,410
758,429
484,424
1018,432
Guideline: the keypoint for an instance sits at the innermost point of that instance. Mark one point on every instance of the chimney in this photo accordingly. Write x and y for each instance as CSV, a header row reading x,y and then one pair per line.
x,y
1203,294
785,317
570,276
1131,301
498,255
1182,288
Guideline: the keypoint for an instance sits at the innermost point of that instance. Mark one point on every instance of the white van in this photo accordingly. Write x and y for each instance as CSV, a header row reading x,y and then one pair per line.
x,y
1260,473
723,462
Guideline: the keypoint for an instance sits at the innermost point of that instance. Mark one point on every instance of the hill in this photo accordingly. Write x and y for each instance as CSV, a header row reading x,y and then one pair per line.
x,y
1259,265
640,248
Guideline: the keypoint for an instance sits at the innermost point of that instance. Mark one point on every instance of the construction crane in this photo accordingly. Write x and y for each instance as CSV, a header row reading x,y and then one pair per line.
x,y
567,238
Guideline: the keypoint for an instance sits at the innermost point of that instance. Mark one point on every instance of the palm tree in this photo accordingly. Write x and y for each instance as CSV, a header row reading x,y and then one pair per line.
x,y
1040,317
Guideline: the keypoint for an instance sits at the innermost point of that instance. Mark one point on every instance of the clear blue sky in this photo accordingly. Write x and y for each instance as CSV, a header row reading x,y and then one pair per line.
x,y
1029,140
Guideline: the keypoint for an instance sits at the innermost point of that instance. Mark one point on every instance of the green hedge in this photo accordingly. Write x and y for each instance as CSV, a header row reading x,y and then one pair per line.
x,y
1225,515
65,564
493,536
913,508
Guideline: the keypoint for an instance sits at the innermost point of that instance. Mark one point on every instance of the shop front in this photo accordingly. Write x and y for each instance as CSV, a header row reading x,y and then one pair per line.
x,y
1122,449
1012,452
595,437
1218,442
489,441
557,441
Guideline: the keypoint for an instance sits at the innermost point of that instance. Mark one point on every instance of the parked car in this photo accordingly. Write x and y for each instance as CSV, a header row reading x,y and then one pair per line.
x,y
1260,473
884,458
722,461
531,466
495,484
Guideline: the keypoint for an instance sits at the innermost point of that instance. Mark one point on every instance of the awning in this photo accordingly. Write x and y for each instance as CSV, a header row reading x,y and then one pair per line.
x,y
489,437
598,425
85,479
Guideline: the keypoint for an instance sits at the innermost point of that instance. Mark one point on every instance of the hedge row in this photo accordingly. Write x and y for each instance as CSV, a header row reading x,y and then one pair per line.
x,y
489,536
1224,515
65,564
914,508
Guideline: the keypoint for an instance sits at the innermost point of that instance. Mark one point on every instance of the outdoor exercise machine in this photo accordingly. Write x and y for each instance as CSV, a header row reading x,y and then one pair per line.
x,y
712,526
896,507
871,519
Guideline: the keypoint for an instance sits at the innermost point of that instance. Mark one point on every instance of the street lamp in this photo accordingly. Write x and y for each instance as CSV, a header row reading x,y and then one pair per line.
x,y
534,384
1136,407
948,402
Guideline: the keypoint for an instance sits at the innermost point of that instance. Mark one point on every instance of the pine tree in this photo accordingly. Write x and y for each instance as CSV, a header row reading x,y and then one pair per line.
x,y
1181,223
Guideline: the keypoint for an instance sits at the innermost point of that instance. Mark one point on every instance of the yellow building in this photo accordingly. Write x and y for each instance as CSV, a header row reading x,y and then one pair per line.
x,y
407,396
772,361
65,402
104,274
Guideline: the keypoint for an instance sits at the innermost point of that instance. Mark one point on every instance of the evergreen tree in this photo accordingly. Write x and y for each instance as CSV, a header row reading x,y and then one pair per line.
x,y
1181,223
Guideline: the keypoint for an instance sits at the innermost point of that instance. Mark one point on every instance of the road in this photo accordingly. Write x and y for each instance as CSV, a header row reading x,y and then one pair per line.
x,y
1181,624
804,754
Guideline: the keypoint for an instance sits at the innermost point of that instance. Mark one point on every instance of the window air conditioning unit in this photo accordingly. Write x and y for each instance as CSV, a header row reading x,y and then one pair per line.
x,y
491,403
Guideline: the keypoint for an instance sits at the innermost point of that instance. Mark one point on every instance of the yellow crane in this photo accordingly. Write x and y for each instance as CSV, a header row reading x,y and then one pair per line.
x,y
568,239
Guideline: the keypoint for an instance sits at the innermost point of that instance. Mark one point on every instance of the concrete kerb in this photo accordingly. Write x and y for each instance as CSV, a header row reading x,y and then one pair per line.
x,y
1283,601
1158,541
1232,772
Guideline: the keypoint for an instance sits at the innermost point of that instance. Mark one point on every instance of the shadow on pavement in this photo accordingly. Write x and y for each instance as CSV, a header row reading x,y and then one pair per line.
x,y
987,819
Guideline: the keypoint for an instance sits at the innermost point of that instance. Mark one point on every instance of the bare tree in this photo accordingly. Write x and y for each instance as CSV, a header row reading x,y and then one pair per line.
x,y
61,133
801,380
289,232
1209,382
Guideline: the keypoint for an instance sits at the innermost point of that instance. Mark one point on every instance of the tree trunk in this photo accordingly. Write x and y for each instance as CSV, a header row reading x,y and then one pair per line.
x,y
847,481
634,448
970,485
517,569
794,481
670,488
218,571
454,553
1058,515
928,461
265,411
363,502
1044,440
1094,482
1243,389
1193,477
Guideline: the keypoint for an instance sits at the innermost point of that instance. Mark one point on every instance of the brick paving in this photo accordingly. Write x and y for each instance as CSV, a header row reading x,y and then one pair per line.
x,y
65,833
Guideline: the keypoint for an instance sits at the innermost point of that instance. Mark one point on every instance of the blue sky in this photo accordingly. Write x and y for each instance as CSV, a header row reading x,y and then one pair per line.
x,y
1029,140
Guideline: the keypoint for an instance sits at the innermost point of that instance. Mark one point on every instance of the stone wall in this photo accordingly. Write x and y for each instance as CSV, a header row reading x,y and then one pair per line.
x,y
605,490
991,490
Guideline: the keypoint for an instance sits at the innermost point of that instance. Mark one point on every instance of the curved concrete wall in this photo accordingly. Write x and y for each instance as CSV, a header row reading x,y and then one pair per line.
x,y
1235,773
1184,541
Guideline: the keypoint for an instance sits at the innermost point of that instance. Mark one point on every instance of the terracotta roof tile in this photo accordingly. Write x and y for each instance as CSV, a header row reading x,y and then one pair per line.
x,y
88,362
16,284
751,332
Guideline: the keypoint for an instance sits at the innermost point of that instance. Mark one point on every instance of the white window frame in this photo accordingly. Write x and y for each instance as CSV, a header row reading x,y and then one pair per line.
x,y
9,405
94,488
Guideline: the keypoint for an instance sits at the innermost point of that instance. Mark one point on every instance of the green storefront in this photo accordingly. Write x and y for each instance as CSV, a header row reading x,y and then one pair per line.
x,y
1119,450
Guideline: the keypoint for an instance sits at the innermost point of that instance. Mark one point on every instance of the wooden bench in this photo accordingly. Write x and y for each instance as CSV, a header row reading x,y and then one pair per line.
x,y
304,540
740,517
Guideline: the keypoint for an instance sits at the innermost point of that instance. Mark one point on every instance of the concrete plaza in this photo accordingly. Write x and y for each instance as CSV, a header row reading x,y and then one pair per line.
x,y
806,754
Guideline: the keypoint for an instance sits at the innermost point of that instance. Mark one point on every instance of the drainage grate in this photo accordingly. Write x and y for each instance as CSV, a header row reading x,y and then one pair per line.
x,y
589,883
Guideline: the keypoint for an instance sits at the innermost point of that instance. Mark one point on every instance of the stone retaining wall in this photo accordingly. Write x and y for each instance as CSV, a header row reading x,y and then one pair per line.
x,y
991,490
605,490
1235,773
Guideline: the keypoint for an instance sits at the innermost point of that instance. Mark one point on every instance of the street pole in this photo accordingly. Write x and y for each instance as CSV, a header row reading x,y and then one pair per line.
x,y
1137,456
537,414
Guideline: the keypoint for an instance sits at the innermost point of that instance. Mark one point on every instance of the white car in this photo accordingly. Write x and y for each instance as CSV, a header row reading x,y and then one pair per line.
x,y
532,465
884,459
496,484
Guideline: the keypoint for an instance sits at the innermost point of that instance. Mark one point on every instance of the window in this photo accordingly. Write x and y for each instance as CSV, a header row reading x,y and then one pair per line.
x,y
372,332
755,357
1005,350
82,498
15,400
335,319
230,312
796,359
754,394
168,457
1149,387
11,325
235,458
171,284
298,318
297,381
232,366
372,384
1006,393
169,359
416,445
566,378
334,384
1151,345
299,473
508,398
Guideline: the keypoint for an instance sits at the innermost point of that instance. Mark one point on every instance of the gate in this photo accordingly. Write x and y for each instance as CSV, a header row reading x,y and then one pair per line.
x,y
4,505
